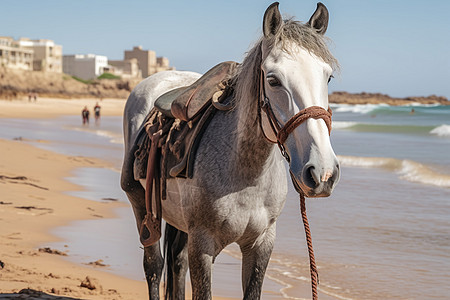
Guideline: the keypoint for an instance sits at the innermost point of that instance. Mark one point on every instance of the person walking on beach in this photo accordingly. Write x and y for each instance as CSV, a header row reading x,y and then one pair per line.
x,y
97,112
85,115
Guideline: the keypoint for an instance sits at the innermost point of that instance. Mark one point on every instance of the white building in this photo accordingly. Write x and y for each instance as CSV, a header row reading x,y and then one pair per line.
x,y
47,55
13,56
86,67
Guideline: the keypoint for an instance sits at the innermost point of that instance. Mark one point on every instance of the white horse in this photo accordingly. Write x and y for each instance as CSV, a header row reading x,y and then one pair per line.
x,y
239,185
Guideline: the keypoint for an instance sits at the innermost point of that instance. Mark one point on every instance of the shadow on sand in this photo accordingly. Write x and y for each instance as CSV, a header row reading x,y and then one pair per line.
x,y
33,294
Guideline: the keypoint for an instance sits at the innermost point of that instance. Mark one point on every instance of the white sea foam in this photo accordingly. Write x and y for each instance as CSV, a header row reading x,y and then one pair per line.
x,y
423,105
114,138
443,130
357,108
342,124
406,169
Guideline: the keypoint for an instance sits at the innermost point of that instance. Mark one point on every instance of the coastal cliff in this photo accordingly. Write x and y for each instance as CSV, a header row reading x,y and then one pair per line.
x,y
17,84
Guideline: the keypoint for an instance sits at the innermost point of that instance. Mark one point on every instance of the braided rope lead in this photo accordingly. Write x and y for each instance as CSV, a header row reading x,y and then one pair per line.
x,y
312,262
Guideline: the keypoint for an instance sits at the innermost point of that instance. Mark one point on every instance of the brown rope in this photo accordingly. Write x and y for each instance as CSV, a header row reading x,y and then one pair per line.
x,y
312,261
315,112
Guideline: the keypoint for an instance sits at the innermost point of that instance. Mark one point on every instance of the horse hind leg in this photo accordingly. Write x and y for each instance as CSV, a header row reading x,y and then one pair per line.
x,y
153,261
153,266
176,253
255,258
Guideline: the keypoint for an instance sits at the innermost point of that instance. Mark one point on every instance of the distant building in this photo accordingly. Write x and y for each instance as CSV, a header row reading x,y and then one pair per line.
x,y
86,67
126,69
147,60
47,55
13,56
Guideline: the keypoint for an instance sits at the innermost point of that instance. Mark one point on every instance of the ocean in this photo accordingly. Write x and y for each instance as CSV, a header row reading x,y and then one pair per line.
x,y
383,234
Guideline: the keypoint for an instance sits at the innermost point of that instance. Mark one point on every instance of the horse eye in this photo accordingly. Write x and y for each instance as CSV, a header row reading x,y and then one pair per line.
x,y
273,81
329,79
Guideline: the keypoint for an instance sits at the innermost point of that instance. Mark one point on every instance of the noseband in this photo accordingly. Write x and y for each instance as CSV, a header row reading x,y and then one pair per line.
x,y
282,131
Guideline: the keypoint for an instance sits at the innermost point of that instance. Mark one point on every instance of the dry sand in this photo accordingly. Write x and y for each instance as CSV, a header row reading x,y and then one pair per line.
x,y
52,108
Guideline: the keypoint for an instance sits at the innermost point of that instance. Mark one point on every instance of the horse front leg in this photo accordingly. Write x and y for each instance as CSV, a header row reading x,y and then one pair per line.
x,y
201,254
255,258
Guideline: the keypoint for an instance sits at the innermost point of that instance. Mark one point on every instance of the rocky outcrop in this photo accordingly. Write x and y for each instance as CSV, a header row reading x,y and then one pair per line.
x,y
377,98
18,84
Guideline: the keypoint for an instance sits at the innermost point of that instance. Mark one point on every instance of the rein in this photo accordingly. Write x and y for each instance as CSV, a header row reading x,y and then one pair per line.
x,y
282,133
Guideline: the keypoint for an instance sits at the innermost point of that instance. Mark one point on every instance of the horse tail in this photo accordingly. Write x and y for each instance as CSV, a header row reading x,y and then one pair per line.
x,y
174,242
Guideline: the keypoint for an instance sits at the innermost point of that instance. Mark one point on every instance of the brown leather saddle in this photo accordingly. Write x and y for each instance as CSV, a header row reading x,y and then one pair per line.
x,y
169,140
185,103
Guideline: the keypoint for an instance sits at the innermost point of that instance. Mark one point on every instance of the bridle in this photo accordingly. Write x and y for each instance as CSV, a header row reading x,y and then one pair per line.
x,y
282,133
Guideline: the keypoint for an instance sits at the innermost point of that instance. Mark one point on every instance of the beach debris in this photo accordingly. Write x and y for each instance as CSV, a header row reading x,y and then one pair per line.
x,y
51,275
2,264
31,207
91,284
21,180
4,177
52,251
63,290
110,199
98,263
5,203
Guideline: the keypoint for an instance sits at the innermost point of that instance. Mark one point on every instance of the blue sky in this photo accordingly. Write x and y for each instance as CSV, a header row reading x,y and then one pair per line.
x,y
396,47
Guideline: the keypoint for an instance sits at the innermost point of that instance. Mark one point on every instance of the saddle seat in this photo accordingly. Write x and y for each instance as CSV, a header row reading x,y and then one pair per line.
x,y
186,103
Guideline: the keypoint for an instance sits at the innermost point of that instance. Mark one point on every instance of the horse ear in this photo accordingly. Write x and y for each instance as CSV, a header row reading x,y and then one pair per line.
x,y
272,20
319,19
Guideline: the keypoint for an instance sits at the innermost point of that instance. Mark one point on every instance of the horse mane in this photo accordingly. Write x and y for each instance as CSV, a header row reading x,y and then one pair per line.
x,y
247,79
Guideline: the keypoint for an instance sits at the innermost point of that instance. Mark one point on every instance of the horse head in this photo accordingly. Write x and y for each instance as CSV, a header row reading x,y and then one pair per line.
x,y
296,67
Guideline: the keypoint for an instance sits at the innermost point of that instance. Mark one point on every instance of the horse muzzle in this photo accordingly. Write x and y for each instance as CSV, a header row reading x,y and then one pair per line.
x,y
315,181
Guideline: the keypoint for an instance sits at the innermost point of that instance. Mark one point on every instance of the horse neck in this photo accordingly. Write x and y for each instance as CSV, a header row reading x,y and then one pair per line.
x,y
254,153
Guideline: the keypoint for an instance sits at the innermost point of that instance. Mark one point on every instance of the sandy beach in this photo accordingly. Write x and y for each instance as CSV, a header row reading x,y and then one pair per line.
x,y
33,201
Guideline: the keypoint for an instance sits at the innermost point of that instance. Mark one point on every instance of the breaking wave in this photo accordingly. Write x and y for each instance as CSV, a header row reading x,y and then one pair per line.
x,y
343,124
357,108
114,138
443,130
406,169
385,109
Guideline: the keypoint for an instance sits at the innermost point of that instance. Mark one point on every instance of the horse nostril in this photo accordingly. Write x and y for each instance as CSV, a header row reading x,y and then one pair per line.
x,y
310,177
336,173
